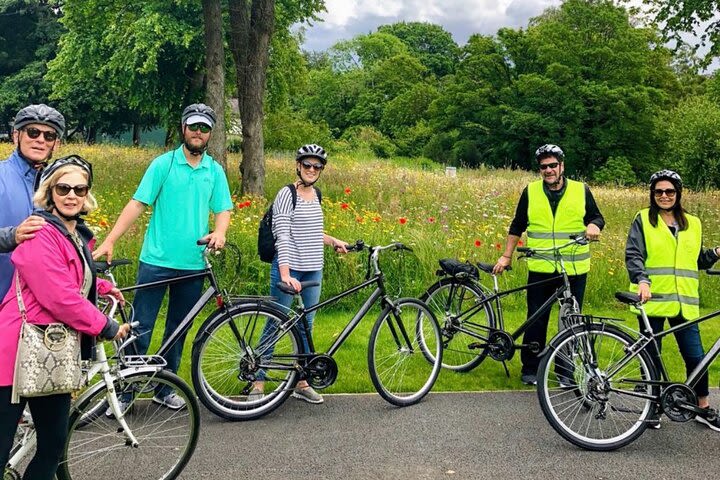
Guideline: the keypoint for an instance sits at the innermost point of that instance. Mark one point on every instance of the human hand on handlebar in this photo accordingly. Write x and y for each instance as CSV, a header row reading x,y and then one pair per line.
x,y
502,263
214,240
122,332
592,232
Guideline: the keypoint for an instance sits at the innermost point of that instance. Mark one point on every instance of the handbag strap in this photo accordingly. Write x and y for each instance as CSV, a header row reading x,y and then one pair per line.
x,y
18,293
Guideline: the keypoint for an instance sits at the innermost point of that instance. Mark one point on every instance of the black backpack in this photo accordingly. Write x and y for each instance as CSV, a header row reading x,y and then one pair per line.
x,y
266,240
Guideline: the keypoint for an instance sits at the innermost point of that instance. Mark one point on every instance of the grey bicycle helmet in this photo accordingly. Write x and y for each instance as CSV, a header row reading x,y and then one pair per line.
x,y
40,114
311,150
63,161
669,175
199,113
549,150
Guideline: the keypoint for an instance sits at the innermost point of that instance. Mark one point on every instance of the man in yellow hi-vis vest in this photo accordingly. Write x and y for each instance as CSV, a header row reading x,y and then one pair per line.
x,y
663,254
551,210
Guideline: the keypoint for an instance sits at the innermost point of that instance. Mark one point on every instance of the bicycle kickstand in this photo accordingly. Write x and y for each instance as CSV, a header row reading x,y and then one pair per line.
x,y
507,372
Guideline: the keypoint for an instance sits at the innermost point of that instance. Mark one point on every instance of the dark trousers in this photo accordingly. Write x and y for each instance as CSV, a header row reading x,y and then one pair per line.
x,y
50,415
536,296
689,343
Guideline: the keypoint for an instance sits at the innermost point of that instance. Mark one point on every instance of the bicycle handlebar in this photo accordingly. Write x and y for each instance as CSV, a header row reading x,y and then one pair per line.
x,y
575,240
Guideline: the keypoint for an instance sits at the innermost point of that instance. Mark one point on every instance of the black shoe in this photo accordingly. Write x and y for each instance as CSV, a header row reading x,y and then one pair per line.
x,y
710,418
529,379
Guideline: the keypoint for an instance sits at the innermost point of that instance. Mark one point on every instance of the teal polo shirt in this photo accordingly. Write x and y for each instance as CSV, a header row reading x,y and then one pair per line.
x,y
182,198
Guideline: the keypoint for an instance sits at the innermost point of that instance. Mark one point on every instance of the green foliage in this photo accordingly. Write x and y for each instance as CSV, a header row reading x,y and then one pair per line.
x,y
617,171
363,137
694,142
287,130
429,43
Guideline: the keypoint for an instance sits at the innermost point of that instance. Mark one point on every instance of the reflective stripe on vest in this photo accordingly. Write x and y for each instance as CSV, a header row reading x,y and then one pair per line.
x,y
545,230
671,265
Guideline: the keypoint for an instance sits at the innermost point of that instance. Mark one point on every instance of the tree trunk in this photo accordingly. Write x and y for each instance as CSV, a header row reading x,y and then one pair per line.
x,y
136,134
251,26
91,136
215,75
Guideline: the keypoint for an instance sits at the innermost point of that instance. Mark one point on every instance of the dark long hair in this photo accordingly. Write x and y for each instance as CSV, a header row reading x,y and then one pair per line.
x,y
678,211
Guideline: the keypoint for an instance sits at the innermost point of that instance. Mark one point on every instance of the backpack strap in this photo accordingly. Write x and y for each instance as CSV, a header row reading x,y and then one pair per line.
x,y
293,191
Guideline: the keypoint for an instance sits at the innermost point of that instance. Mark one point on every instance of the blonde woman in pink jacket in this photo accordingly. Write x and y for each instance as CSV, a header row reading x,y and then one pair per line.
x,y
58,284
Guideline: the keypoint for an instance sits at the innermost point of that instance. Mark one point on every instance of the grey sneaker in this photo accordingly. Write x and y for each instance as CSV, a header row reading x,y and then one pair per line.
x,y
171,401
255,395
710,419
308,394
529,379
124,406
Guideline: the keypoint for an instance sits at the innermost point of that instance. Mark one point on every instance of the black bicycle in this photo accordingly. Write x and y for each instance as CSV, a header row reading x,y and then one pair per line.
x,y
616,386
231,352
471,314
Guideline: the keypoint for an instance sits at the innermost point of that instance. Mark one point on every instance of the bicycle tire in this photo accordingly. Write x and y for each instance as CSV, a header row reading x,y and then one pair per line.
x,y
584,406
166,438
226,359
399,370
456,354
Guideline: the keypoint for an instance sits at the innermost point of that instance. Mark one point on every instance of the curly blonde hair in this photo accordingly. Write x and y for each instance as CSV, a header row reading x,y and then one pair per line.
x,y
43,195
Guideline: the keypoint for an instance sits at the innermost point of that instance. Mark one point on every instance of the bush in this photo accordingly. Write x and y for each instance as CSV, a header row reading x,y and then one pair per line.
x,y
234,144
364,137
411,141
288,130
616,171
439,148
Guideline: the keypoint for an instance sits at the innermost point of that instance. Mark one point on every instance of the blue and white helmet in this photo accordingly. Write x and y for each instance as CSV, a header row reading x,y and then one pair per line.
x,y
549,150
311,150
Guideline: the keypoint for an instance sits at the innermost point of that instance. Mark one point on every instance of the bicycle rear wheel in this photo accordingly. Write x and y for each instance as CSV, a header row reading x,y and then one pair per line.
x,y
589,395
399,369
449,300
231,352
166,438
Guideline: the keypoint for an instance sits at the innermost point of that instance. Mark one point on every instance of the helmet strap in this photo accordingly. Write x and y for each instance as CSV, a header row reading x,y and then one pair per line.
x,y
305,183
36,165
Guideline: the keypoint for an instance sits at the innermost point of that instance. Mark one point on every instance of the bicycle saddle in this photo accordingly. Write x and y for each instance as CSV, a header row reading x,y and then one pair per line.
x,y
291,291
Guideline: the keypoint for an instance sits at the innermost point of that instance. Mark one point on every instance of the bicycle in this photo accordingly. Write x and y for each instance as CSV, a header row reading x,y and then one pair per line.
x,y
617,389
160,440
473,325
229,355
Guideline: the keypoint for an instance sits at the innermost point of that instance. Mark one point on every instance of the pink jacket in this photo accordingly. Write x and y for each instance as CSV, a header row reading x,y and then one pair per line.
x,y
51,274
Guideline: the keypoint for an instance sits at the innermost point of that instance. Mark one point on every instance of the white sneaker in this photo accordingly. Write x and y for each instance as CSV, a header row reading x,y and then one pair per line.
x,y
171,401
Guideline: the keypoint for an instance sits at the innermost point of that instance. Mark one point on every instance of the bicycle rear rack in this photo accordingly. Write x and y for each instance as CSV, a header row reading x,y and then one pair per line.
x,y
144,361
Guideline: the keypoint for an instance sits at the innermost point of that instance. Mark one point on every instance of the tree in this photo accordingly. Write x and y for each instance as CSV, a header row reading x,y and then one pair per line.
x,y
687,16
252,23
215,76
431,44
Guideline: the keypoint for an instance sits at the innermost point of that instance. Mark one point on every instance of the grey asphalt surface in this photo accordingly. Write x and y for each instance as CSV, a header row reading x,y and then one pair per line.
x,y
447,436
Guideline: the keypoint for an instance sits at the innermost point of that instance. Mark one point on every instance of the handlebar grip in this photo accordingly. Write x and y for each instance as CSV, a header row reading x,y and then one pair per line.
x,y
523,249
202,241
359,246
712,272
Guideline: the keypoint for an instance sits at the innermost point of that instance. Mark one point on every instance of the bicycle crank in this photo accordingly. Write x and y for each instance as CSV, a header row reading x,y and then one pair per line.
x,y
321,371
676,402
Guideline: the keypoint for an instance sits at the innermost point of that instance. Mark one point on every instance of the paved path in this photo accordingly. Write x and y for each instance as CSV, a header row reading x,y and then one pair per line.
x,y
447,436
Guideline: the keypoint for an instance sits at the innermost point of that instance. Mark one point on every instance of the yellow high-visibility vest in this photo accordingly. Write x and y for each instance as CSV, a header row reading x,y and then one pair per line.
x,y
548,230
671,265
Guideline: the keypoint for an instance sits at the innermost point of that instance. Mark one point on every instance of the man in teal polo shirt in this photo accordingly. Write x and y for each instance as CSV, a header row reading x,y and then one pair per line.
x,y
183,186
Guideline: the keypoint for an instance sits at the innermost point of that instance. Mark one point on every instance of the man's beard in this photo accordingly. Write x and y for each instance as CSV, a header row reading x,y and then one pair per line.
x,y
194,149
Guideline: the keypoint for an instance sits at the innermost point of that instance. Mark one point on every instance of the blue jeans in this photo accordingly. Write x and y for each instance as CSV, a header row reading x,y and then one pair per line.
x,y
310,296
689,343
147,302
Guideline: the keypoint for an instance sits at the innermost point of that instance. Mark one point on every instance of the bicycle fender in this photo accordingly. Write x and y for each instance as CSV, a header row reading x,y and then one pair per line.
x,y
96,387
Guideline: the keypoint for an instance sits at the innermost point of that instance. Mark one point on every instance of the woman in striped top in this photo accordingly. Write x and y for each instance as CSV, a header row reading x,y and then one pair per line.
x,y
299,241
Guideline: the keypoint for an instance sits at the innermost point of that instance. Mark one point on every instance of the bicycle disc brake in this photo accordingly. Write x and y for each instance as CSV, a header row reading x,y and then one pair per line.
x,y
501,346
672,400
321,371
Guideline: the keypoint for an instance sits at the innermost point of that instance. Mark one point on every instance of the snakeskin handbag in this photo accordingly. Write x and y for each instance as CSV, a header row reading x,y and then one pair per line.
x,y
48,358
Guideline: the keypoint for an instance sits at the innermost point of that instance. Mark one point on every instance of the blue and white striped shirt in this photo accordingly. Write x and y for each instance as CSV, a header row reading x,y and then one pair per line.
x,y
298,233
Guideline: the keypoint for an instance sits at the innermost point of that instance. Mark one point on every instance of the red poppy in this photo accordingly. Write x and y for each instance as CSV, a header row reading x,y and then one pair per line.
x,y
344,206
402,220
498,246
520,243
376,219
240,205
478,243
248,203
359,219
431,219
347,190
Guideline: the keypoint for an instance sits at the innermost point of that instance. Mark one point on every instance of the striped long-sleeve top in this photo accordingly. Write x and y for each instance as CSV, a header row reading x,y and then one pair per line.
x,y
298,233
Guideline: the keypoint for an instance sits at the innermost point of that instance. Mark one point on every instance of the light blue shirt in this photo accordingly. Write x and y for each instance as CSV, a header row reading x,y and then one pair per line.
x,y
182,198
17,182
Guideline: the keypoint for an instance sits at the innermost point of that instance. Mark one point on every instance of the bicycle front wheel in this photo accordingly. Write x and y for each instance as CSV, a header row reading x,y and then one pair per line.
x,y
166,438
252,343
589,387
399,369
451,302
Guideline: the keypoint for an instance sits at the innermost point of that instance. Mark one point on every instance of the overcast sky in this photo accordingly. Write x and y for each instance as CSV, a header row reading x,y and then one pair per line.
x,y
346,18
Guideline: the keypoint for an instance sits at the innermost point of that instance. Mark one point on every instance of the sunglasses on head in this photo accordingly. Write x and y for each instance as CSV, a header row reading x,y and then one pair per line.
x,y
669,192
33,133
199,126
63,189
308,165
549,165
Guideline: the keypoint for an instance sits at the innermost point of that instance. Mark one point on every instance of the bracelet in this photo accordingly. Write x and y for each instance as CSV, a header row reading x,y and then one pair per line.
x,y
506,256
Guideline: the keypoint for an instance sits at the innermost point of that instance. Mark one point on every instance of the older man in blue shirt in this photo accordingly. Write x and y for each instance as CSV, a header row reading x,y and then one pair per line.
x,y
36,135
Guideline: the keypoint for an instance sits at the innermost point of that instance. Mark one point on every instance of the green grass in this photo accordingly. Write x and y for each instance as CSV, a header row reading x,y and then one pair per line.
x,y
404,200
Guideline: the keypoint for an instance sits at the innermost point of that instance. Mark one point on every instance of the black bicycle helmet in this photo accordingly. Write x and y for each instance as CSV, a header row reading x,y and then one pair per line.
x,y
669,175
200,110
549,150
63,161
41,114
311,150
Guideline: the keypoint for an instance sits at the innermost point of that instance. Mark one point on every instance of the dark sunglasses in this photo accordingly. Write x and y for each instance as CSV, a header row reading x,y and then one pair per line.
x,y
549,165
63,189
308,165
199,126
35,133
670,192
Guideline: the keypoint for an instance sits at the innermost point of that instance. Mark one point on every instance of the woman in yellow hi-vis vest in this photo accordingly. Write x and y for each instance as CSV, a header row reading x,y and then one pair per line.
x,y
663,255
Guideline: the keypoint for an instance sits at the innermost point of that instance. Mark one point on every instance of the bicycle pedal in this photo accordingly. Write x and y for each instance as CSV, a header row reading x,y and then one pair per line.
x,y
476,345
